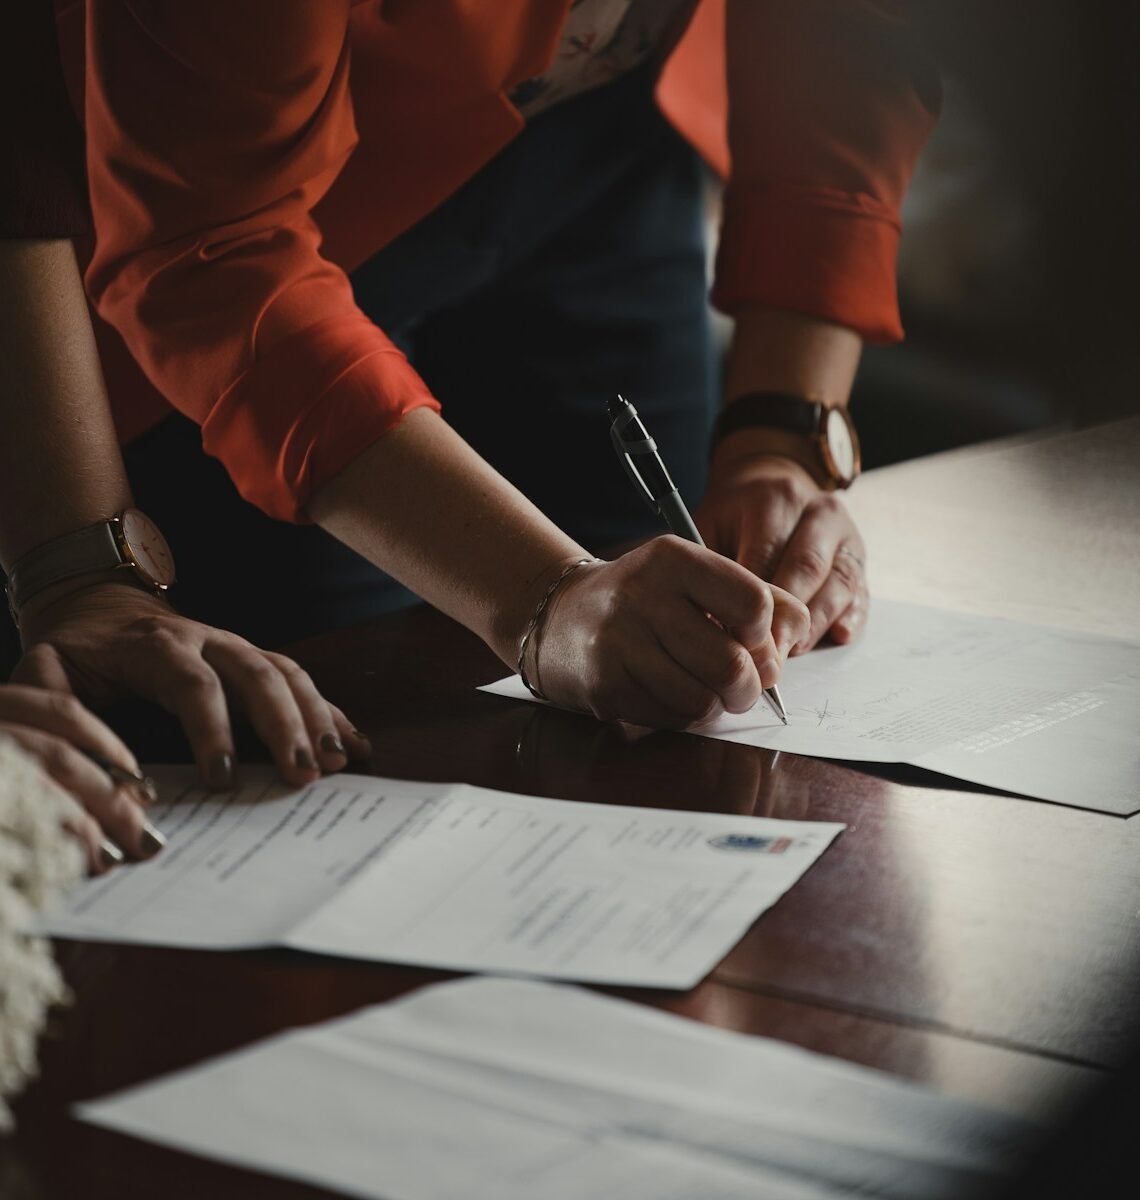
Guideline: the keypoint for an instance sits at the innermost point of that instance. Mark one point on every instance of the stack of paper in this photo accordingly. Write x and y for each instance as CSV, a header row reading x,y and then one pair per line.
x,y
1050,713
510,1090
448,876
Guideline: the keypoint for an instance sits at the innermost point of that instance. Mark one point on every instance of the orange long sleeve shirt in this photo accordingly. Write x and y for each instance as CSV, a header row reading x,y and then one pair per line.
x,y
243,157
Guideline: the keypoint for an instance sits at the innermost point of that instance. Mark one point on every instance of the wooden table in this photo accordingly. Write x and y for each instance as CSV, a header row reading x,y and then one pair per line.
x,y
983,944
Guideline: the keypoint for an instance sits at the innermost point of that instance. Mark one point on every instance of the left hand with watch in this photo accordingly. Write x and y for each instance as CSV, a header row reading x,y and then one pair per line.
x,y
783,447
94,622
87,573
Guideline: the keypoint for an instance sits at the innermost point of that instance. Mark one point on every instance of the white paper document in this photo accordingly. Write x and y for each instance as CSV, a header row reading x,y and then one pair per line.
x,y
448,876
497,1089
1050,713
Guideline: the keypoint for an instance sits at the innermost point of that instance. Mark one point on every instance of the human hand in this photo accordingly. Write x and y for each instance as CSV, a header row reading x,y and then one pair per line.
x,y
92,765
632,639
767,513
110,640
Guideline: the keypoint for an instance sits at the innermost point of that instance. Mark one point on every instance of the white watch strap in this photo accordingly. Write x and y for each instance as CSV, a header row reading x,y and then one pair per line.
x,y
80,553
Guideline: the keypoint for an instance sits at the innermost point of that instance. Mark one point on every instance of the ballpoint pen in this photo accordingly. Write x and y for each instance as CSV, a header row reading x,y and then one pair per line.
x,y
638,453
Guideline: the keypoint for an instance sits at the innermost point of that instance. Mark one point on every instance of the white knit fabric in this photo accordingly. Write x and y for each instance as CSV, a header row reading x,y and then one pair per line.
x,y
37,860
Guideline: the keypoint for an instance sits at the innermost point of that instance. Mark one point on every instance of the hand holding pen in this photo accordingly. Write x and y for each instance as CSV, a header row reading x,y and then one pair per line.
x,y
632,639
638,454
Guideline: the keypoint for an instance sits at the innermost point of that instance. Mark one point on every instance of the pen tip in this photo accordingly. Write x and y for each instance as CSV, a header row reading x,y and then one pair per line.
x,y
783,718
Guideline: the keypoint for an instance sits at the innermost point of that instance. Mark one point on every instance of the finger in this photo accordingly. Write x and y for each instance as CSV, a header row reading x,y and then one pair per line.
x,y
790,623
42,666
625,698
118,814
270,704
187,686
317,713
87,833
59,712
707,653
852,622
355,742
730,593
685,699
808,558
768,662
832,600
767,530
84,829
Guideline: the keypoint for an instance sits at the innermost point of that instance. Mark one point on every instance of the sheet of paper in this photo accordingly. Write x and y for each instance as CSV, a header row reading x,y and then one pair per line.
x,y
508,1089
1046,712
449,876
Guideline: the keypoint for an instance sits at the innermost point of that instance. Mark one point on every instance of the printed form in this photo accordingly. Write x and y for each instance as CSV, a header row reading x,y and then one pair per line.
x,y
506,1089
1050,713
448,876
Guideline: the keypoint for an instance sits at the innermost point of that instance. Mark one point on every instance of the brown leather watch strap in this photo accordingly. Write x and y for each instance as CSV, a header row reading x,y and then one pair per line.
x,y
84,552
772,410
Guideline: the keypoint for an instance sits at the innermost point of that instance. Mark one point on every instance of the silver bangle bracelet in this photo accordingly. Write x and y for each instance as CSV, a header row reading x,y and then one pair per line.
x,y
536,616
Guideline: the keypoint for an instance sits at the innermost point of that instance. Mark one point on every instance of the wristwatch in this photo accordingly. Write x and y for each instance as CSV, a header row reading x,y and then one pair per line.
x,y
829,438
130,543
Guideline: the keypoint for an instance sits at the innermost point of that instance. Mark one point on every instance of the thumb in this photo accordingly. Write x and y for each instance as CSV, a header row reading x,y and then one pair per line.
x,y
42,666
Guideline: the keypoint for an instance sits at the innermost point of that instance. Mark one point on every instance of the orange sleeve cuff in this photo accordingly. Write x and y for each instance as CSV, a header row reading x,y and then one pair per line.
x,y
307,409
827,253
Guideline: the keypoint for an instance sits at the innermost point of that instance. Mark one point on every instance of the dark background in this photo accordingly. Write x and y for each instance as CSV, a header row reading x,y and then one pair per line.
x,y
1020,254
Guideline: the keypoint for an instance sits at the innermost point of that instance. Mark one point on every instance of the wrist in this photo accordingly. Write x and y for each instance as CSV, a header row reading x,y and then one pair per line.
x,y
761,447
125,546
513,617
820,437
100,588
528,646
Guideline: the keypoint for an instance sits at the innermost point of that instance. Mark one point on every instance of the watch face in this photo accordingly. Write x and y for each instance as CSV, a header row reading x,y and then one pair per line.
x,y
147,547
841,446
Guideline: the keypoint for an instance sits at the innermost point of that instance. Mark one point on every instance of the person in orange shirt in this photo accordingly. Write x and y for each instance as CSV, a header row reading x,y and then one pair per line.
x,y
61,479
315,222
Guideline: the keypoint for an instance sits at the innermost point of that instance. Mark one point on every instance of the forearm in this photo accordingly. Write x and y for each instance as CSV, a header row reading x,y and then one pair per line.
x,y
778,351
423,506
60,466
769,504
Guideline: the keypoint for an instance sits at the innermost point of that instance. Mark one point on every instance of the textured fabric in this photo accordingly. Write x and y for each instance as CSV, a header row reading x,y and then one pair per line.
x,y
601,40
493,297
238,168
38,860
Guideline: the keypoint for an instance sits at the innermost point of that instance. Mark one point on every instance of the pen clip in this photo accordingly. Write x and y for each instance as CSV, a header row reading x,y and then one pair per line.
x,y
627,461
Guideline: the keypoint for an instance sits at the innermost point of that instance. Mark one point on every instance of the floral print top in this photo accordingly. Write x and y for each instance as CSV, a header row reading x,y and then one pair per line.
x,y
601,40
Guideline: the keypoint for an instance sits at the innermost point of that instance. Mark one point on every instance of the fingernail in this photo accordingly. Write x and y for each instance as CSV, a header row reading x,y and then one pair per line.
x,y
220,772
151,842
109,854
331,744
304,759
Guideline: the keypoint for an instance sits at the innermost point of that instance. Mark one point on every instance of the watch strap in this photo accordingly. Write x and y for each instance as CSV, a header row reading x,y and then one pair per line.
x,y
83,552
772,410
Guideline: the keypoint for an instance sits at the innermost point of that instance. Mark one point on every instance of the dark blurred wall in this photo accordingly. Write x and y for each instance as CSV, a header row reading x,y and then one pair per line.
x,y
1020,268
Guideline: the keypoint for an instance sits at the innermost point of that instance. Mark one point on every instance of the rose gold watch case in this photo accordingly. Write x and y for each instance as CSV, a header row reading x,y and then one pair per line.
x,y
839,446
144,549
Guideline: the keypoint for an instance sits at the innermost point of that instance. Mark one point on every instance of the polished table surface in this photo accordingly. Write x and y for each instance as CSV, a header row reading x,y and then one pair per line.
x,y
985,944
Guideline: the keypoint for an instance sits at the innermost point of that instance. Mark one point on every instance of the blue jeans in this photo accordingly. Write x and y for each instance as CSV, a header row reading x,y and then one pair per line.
x,y
571,267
